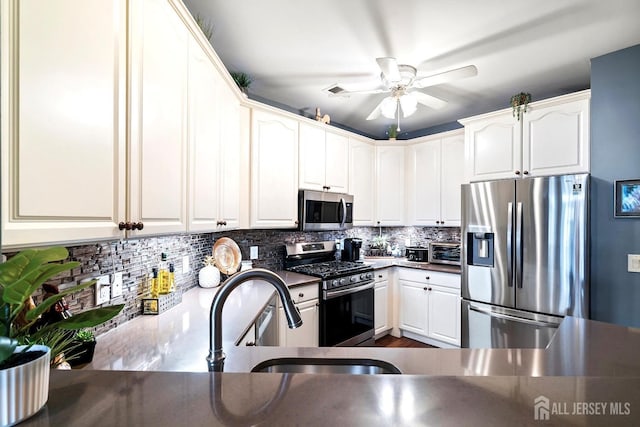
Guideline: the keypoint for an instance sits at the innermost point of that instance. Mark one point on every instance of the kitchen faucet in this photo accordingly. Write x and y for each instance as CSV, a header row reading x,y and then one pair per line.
x,y
216,357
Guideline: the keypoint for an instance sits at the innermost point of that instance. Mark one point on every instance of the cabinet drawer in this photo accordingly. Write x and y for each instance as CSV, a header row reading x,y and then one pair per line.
x,y
381,275
305,292
430,277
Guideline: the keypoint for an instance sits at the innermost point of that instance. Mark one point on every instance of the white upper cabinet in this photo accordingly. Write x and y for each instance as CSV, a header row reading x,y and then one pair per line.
x,y
435,172
214,147
63,120
324,159
556,138
390,185
551,138
158,150
274,170
362,159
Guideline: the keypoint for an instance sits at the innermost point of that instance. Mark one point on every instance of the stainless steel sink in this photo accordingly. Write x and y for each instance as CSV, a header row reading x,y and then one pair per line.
x,y
303,365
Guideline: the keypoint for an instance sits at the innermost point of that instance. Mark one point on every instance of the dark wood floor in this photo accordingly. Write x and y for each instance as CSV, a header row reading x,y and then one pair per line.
x,y
391,341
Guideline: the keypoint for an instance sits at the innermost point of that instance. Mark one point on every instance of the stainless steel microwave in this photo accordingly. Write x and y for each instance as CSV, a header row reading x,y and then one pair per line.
x,y
323,211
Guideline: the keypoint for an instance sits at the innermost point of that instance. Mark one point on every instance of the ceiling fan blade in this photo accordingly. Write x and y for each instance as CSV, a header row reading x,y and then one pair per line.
x,y
447,76
389,68
358,92
428,100
376,111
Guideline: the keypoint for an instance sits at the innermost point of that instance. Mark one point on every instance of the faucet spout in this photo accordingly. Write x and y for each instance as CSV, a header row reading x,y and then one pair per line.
x,y
215,359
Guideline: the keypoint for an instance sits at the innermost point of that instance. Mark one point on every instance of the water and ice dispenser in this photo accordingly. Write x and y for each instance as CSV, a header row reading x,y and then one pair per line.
x,y
480,248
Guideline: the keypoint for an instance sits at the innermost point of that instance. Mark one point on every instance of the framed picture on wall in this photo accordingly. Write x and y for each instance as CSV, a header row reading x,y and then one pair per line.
x,y
627,198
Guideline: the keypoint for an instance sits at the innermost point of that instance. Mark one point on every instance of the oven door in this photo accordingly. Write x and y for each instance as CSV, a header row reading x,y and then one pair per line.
x,y
346,316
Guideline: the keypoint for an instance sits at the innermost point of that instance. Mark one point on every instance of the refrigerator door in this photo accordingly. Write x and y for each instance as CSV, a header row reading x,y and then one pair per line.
x,y
551,245
487,239
486,326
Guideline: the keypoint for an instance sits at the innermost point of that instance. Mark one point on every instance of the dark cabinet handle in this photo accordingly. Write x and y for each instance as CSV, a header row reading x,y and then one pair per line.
x,y
300,295
526,172
380,276
517,172
441,222
425,289
130,226
428,278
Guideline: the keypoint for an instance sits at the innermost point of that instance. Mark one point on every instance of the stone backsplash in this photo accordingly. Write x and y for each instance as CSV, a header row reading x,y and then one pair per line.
x,y
136,257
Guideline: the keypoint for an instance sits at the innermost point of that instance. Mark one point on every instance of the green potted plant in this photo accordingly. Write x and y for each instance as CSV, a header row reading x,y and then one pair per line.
x,y
393,132
26,347
82,348
243,80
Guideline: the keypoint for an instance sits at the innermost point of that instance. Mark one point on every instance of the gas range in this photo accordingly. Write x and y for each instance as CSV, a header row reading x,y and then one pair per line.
x,y
336,274
318,260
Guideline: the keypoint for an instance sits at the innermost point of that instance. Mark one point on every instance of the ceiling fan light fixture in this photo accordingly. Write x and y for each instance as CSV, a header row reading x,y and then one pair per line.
x,y
409,104
388,107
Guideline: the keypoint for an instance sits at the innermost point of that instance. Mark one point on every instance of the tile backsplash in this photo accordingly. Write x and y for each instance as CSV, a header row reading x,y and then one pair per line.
x,y
136,258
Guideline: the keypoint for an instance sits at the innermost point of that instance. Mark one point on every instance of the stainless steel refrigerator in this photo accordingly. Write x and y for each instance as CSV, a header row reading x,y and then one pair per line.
x,y
524,259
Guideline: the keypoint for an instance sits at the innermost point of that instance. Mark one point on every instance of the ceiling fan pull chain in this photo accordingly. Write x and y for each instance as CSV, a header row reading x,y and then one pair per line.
x,y
398,115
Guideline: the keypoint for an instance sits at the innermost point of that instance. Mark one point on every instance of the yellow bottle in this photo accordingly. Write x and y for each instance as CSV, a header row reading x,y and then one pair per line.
x,y
163,276
172,278
154,283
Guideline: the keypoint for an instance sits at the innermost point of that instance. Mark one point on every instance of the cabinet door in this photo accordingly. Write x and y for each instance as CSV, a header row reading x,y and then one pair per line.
x,y
63,120
452,178
204,140
306,335
312,157
381,307
556,139
493,148
230,159
337,163
390,185
158,118
424,186
361,181
444,314
413,307
274,171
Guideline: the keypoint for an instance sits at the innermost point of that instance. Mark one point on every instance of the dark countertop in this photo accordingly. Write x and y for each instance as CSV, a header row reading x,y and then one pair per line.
x,y
588,366
385,262
111,398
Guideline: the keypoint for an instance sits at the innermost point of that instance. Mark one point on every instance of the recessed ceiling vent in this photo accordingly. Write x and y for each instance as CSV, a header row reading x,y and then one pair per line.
x,y
334,89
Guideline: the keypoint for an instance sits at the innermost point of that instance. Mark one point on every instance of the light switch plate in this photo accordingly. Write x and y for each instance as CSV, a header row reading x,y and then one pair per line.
x,y
633,263
186,267
103,290
253,252
116,286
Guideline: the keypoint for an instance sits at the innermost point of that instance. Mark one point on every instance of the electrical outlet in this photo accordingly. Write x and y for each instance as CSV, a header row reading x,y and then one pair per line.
x,y
103,290
253,252
186,267
116,286
633,263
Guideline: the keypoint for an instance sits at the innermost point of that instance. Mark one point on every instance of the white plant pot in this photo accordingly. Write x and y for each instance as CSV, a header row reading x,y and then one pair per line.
x,y
209,277
24,389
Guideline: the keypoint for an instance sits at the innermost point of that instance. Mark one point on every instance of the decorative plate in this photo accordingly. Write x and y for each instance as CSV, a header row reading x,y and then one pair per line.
x,y
227,256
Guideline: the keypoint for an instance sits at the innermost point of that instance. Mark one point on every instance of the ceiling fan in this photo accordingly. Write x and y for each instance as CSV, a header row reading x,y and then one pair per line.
x,y
397,80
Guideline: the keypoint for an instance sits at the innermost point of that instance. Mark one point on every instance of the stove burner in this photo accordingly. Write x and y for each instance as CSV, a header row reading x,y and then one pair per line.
x,y
330,269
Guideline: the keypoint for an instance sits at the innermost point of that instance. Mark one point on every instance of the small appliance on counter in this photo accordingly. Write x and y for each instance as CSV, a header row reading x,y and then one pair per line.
x,y
444,253
351,251
417,253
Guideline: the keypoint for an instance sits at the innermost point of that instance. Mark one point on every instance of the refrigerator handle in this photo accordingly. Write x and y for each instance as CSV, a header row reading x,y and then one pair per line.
x,y
510,244
519,245
514,318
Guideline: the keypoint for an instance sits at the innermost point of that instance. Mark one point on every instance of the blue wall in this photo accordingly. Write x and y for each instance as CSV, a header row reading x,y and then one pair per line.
x,y
615,154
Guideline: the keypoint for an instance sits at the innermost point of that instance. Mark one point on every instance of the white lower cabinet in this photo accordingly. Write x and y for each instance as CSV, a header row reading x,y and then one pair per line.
x,y
429,305
305,297
307,334
382,302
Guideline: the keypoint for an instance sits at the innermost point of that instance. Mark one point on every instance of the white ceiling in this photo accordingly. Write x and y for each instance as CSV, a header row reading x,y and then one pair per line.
x,y
293,49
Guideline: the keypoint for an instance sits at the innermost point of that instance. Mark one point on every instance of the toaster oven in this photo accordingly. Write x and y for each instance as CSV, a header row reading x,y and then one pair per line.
x,y
444,253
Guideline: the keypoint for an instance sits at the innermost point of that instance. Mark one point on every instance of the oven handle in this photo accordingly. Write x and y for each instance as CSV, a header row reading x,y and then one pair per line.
x,y
341,292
